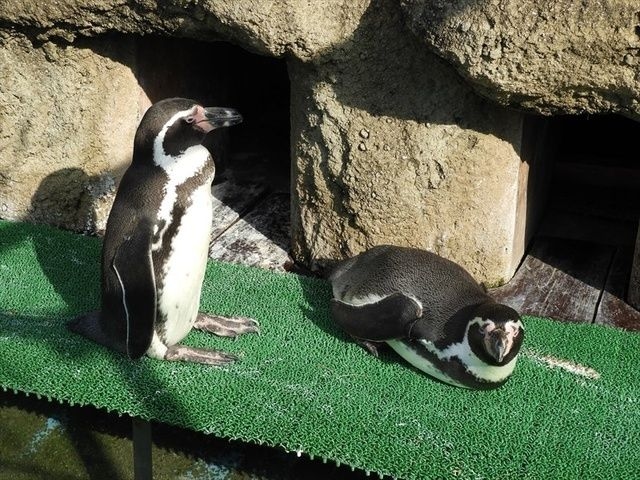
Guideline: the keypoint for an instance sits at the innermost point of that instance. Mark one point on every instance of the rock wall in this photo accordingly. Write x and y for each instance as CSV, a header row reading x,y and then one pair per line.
x,y
300,29
67,117
389,144
392,147
558,56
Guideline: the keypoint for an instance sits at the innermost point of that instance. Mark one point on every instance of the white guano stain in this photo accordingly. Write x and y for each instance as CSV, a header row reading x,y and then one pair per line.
x,y
563,364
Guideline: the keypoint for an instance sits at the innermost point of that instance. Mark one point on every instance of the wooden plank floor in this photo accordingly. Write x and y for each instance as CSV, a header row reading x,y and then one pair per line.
x,y
579,263
559,279
252,216
573,280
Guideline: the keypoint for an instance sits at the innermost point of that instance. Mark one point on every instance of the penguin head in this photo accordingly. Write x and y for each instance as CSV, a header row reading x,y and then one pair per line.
x,y
495,333
171,126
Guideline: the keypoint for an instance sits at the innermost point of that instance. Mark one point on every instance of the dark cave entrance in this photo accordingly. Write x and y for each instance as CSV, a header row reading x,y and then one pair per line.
x,y
222,74
253,166
582,219
594,179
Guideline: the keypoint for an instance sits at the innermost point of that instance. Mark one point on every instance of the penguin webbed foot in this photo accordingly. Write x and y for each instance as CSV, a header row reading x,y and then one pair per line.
x,y
372,347
226,326
199,355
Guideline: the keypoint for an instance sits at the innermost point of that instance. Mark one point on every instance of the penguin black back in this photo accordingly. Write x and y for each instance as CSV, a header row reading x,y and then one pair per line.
x,y
425,276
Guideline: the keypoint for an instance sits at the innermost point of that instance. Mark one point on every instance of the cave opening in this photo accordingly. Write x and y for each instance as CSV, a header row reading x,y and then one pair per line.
x,y
582,219
252,184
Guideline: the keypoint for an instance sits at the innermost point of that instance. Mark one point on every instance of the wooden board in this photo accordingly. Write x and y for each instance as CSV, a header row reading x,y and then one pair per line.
x,y
560,279
588,228
251,213
612,309
596,172
231,200
261,238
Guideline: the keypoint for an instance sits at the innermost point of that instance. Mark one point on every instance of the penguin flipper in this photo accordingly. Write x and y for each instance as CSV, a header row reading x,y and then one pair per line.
x,y
386,319
133,266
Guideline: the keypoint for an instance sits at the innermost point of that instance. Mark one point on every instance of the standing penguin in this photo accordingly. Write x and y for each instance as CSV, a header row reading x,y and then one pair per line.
x,y
430,311
156,242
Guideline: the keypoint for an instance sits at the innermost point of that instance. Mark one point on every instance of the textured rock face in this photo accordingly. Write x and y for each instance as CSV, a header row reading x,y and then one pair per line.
x,y
389,145
67,117
392,147
298,28
65,174
561,56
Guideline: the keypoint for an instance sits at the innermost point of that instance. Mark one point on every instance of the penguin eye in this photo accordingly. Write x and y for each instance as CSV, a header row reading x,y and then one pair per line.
x,y
189,119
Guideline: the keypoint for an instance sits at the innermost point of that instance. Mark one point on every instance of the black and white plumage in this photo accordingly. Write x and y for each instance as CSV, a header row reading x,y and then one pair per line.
x,y
430,311
157,238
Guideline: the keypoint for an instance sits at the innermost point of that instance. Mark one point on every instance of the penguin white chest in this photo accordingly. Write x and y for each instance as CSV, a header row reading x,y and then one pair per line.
x,y
185,261
184,268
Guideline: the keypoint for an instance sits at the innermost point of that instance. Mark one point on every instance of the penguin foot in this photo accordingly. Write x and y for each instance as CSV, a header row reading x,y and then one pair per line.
x,y
226,326
198,355
371,347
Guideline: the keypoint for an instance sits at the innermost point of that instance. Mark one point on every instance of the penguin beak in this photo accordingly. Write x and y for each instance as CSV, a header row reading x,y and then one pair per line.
x,y
497,347
218,117
497,344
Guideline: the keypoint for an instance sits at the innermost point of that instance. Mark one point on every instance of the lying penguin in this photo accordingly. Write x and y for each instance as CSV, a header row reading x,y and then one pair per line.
x,y
156,241
430,311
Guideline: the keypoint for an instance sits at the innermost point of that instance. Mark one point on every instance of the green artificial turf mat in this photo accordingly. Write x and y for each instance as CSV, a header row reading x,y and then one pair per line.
x,y
303,387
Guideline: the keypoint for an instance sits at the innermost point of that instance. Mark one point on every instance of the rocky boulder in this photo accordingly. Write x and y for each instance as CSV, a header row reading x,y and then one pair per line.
x,y
289,27
561,56
65,139
391,146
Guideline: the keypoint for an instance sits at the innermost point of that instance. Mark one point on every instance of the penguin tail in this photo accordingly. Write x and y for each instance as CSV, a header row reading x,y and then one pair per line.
x,y
90,325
